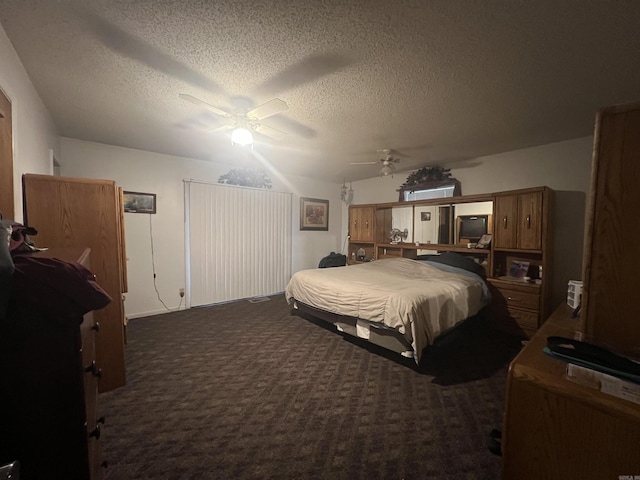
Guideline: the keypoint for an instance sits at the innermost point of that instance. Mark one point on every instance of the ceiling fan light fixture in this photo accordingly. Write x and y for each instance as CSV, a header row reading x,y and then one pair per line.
x,y
241,136
386,170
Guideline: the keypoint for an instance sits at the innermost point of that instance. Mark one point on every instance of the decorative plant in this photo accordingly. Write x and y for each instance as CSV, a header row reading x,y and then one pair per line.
x,y
245,177
427,174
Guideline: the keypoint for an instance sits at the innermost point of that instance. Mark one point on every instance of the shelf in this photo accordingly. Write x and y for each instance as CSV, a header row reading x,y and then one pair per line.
x,y
435,246
517,250
510,283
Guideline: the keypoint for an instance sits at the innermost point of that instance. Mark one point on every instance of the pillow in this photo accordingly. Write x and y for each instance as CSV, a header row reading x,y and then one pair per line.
x,y
455,260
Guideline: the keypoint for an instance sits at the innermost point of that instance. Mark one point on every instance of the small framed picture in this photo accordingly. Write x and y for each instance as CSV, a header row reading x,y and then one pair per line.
x,y
314,214
485,241
136,202
425,216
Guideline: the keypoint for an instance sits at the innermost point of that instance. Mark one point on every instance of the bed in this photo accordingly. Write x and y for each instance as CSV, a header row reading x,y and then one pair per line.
x,y
398,303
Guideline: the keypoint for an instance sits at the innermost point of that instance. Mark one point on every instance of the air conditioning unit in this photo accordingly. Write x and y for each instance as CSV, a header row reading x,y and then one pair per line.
x,y
574,293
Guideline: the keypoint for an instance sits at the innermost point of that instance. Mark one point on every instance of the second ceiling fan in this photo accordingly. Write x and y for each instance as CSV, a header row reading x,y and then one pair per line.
x,y
245,123
388,167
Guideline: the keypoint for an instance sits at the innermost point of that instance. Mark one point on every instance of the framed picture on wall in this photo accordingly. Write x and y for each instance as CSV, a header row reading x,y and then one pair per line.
x,y
136,202
314,214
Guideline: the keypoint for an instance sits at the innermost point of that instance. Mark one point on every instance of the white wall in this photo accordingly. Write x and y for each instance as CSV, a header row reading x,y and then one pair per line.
x,y
141,171
564,167
34,134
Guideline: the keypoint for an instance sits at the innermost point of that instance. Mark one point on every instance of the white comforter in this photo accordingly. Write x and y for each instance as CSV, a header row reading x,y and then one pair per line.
x,y
414,297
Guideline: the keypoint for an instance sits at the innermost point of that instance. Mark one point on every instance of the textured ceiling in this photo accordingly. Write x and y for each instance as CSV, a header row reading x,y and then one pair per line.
x,y
440,81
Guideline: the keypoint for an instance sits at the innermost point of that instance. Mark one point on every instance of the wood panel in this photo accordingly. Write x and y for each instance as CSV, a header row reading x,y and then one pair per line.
x,y
70,212
361,223
530,221
505,230
611,265
7,207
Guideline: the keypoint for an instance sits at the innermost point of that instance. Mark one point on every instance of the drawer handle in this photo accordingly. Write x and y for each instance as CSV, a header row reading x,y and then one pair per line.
x,y
96,327
94,370
528,221
504,221
96,432
512,298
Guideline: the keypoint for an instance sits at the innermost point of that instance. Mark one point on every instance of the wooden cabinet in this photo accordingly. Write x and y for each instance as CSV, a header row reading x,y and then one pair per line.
x,y
519,221
361,232
522,234
361,223
75,212
49,415
611,264
555,428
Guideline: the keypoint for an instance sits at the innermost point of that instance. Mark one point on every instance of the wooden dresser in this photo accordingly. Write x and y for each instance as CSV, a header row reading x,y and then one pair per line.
x,y
81,212
556,428
49,415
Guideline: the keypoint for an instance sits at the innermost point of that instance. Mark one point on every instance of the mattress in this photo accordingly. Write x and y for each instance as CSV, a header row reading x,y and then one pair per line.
x,y
419,299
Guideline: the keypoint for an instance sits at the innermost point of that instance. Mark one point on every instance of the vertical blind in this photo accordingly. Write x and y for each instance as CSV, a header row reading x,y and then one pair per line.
x,y
238,242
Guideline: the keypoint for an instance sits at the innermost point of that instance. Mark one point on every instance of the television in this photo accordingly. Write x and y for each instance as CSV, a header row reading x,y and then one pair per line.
x,y
472,227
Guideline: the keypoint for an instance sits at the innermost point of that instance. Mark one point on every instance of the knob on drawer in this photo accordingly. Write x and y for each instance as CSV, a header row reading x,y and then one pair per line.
x,y
96,327
93,369
95,432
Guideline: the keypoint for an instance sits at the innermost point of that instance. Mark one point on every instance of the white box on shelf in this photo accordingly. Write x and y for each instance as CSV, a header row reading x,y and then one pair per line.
x,y
574,293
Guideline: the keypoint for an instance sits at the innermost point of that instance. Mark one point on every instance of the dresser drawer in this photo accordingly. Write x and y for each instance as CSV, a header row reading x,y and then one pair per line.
x,y
516,298
515,319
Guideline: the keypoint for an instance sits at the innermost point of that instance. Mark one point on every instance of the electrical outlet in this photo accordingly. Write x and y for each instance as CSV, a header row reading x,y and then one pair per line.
x,y
181,292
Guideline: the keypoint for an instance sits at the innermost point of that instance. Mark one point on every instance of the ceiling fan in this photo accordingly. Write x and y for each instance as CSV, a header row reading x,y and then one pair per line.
x,y
244,123
387,162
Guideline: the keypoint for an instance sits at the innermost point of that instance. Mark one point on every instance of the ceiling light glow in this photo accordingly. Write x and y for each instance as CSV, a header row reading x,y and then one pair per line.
x,y
241,136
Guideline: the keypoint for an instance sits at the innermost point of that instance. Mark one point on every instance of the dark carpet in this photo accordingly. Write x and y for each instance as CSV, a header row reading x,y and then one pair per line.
x,y
250,391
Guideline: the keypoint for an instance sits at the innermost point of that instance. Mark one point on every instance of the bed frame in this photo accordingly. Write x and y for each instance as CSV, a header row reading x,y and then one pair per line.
x,y
379,334
376,333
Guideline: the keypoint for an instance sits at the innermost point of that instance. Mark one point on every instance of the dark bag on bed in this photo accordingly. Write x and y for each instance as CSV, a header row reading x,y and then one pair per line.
x,y
333,260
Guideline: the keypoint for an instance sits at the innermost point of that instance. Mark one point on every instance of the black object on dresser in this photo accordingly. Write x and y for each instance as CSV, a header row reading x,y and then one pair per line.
x,y
48,375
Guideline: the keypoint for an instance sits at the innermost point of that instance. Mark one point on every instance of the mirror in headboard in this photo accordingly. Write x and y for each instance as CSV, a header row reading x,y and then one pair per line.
x,y
442,223
433,224
402,218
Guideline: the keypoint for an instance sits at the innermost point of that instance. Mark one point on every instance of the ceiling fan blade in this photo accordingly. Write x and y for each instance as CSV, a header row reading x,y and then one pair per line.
x,y
220,128
269,132
390,152
267,109
201,103
363,163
